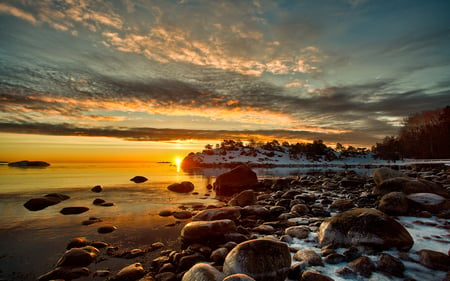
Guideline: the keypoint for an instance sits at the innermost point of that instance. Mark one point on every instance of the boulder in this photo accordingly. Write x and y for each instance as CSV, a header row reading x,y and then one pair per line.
x,y
206,231
231,213
362,266
434,260
203,272
235,181
300,232
394,203
341,205
408,186
36,204
261,259
139,179
73,210
183,187
97,188
430,202
308,257
310,275
78,257
244,198
131,272
384,173
364,227
390,265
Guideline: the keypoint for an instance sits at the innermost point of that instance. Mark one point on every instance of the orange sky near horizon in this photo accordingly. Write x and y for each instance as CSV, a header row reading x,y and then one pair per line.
x,y
60,149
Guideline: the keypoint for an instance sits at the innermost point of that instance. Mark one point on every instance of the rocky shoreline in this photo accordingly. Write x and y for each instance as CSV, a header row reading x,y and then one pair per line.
x,y
325,226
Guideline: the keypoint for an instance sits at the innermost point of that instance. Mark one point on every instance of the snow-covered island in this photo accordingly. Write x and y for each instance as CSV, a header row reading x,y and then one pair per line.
x,y
273,154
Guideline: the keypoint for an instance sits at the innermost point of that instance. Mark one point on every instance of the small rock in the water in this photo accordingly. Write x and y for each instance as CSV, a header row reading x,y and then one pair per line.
x,y
139,179
310,275
107,204
36,204
165,213
98,201
64,273
91,220
182,215
77,243
184,187
73,210
434,260
106,229
97,188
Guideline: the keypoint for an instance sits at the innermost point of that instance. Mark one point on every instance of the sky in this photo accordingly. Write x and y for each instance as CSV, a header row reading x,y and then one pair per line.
x,y
95,78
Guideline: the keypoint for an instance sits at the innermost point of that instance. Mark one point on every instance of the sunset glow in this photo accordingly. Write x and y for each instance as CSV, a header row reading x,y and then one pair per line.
x,y
131,81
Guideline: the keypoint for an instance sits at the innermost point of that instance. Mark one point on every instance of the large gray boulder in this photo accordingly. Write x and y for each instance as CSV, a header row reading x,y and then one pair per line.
x,y
235,181
261,259
384,173
364,227
206,231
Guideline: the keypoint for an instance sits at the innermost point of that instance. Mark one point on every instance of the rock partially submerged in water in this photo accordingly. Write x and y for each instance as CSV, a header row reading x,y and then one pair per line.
x,y
64,273
364,227
73,210
133,271
39,203
204,231
183,187
235,181
139,179
78,257
29,164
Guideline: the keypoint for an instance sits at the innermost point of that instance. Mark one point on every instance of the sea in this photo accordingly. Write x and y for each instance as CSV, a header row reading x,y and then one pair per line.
x,y
32,241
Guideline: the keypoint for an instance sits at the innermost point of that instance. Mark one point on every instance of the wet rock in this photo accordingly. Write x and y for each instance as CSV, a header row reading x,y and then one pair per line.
x,y
182,215
78,257
434,260
364,227
36,204
310,275
219,254
139,179
98,201
408,186
101,273
73,210
99,244
252,258
362,266
341,205
264,229
244,198
107,204
428,202
204,231
235,181
384,173
64,273
97,188
156,245
77,243
300,232
300,209
231,213
131,272
203,272
335,258
394,203
91,220
183,187
29,164
390,265
308,257
255,210
238,277
131,254
106,229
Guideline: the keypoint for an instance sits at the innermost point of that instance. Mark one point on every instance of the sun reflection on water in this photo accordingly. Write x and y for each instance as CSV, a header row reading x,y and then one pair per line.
x,y
178,163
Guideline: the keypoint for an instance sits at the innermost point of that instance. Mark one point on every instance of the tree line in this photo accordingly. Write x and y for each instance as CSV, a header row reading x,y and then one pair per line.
x,y
424,135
